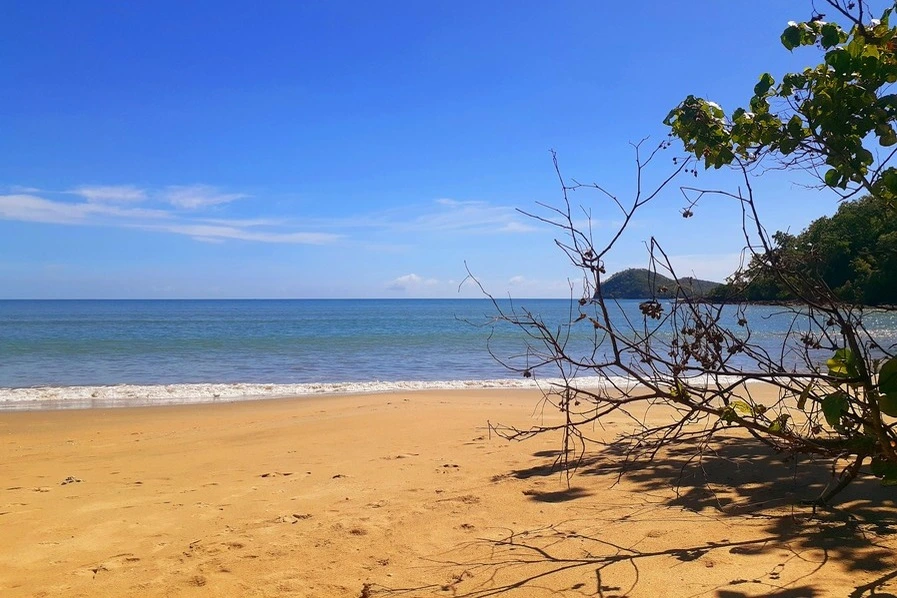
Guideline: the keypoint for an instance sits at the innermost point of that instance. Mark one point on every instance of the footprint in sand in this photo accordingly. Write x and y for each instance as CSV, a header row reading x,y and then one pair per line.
x,y
294,518
401,456
110,564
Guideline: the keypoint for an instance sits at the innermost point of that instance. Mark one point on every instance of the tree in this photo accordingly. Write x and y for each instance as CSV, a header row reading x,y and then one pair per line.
x,y
837,384
854,252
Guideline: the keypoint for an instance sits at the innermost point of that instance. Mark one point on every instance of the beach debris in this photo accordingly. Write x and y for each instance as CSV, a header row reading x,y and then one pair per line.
x,y
274,474
339,475
453,465
70,480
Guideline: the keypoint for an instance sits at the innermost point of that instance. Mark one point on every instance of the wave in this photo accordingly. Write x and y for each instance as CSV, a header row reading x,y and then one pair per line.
x,y
131,395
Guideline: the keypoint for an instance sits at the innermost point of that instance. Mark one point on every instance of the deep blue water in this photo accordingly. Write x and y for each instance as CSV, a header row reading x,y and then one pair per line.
x,y
69,343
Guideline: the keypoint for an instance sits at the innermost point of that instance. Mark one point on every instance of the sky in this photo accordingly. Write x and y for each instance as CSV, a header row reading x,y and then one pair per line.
x,y
361,149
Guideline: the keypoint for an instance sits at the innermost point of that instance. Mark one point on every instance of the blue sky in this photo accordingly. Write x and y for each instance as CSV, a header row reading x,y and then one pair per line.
x,y
357,149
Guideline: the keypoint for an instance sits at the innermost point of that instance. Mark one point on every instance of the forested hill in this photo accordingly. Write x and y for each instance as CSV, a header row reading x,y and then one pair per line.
x,y
640,283
853,253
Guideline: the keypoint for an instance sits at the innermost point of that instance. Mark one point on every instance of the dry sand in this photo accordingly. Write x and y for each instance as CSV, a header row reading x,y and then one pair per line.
x,y
407,494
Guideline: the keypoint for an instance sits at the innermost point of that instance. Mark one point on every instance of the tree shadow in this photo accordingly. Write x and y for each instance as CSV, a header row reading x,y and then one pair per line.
x,y
737,481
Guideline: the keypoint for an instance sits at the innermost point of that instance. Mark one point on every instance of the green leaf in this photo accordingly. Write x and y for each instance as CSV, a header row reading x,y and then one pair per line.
x,y
887,404
842,364
886,470
728,415
886,135
742,407
778,425
831,35
832,407
766,81
840,60
887,377
791,37
832,178
804,395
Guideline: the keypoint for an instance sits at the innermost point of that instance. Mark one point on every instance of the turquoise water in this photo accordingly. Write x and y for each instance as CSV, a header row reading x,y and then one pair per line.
x,y
65,344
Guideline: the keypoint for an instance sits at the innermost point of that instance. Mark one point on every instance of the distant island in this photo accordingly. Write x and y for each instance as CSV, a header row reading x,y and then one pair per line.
x,y
641,283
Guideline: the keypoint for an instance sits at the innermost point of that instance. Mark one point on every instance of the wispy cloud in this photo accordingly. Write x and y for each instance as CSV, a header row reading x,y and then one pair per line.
x,y
472,217
208,232
110,193
31,208
98,211
193,197
195,211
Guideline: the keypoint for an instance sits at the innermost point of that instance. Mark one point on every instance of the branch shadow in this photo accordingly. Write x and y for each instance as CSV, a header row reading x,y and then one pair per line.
x,y
736,480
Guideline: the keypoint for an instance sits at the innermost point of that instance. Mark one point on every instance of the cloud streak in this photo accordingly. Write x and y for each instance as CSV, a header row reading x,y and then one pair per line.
x,y
101,208
196,211
472,217
195,197
109,193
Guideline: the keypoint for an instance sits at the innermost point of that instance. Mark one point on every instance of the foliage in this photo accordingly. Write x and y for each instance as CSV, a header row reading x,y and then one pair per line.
x,y
836,380
854,253
641,283
827,119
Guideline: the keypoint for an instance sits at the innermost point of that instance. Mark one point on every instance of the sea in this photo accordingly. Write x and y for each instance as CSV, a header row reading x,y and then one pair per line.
x,y
101,353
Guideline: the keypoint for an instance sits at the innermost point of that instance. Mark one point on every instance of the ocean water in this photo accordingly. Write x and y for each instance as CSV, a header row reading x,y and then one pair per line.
x,y
118,352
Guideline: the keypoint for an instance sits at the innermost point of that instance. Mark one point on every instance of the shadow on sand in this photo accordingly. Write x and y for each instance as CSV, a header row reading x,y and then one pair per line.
x,y
653,520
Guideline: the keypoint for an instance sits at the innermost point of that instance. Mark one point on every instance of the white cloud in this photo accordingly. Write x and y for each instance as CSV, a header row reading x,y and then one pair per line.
x,y
110,193
209,232
516,280
471,217
410,282
31,208
193,197
190,210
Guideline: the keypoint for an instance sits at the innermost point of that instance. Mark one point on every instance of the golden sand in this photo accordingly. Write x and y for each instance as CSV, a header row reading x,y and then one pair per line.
x,y
408,494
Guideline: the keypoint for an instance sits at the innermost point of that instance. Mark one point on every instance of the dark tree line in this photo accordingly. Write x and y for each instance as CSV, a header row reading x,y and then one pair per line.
x,y
853,252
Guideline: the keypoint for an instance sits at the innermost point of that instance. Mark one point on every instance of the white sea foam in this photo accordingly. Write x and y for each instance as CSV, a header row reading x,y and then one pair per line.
x,y
129,395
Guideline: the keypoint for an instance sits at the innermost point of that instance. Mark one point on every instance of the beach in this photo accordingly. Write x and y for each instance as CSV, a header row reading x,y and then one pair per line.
x,y
409,494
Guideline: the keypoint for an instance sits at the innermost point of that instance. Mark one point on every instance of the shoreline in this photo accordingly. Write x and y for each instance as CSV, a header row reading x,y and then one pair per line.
x,y
42,398
49,398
